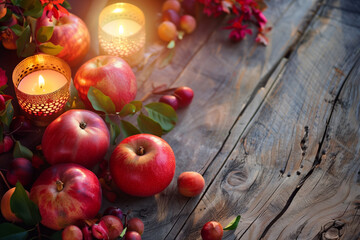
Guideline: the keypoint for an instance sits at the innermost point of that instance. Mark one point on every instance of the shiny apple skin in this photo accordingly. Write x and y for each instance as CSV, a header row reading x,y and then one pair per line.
x,y
144,175
79,199
64,141
111,75
71,33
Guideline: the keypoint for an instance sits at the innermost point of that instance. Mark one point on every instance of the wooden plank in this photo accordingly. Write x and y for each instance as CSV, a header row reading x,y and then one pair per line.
x,y
282,138
223,83
328,202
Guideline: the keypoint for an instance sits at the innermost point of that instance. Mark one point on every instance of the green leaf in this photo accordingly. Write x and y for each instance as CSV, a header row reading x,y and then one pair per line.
x,y
171,44
128,109
44,33
34,9
17,29
29,49
23,207
7,115
9,231
3,87
23,39
127,129
147,125
57,235
114,130
137,104
168,58
21,151
123,232
162,113
233,224
100,102
7,16
50,48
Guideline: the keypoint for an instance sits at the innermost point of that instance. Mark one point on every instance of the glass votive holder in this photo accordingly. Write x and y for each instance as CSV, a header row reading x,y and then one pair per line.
x,y
122,32
42,87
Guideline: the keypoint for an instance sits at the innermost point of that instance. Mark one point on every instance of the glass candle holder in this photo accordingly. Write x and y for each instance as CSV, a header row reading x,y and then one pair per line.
x,y
122,32
42,87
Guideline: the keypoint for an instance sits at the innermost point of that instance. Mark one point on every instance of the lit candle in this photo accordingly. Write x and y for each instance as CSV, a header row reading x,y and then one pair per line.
x,y
42,82
122,27
122,32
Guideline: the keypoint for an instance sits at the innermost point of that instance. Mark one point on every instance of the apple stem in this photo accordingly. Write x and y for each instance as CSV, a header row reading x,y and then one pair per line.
x,y
140,151
82,125
4,179
59,185
98,63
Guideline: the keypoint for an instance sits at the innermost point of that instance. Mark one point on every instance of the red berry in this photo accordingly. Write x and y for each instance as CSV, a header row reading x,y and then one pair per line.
x,y
135,224
171,100
184,96
6,144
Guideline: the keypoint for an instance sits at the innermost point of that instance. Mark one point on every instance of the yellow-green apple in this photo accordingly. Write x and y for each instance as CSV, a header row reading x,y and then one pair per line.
x,y
190,184
71,33
212,231
111,75
142,165
66,194
76,136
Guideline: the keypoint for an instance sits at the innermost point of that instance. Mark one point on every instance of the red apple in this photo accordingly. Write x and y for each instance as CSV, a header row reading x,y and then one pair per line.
x,y
142,165
66,194
71,33
190,184
111,75
212,231
76,136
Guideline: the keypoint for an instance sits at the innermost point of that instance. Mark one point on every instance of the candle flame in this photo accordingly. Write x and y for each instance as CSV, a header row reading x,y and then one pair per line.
x,y
121,30
41,81
118,10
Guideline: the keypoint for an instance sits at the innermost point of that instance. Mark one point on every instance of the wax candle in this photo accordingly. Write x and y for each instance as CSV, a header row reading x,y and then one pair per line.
x,y
42,82
122,27
122,32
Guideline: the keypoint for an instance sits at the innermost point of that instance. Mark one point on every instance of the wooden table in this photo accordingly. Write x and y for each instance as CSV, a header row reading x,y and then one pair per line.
x,y
274,130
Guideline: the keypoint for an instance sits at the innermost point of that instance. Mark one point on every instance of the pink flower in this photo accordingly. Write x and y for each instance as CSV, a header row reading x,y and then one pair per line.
x,y
53,8
260,17
239,30
3,78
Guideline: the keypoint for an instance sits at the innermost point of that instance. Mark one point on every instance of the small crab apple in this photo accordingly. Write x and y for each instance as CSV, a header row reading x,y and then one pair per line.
x,y
135,224
6,144
5,206
212,231
132,235
184,96
172,16
167,31
20,170
72,232
187,23
190,184
170,100
171,4
113,225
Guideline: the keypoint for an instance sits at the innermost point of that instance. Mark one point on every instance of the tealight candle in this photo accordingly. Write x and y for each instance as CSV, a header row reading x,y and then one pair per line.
x,y
122,32
42,85
42,82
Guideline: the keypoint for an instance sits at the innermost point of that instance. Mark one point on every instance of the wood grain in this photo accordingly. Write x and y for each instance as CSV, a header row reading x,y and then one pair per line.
x,y
278,149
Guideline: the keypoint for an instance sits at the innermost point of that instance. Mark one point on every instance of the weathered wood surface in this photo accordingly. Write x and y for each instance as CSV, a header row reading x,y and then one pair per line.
x,y
274,130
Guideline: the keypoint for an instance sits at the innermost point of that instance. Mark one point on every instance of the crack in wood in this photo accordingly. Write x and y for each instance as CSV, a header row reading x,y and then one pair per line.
x,y
316,163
